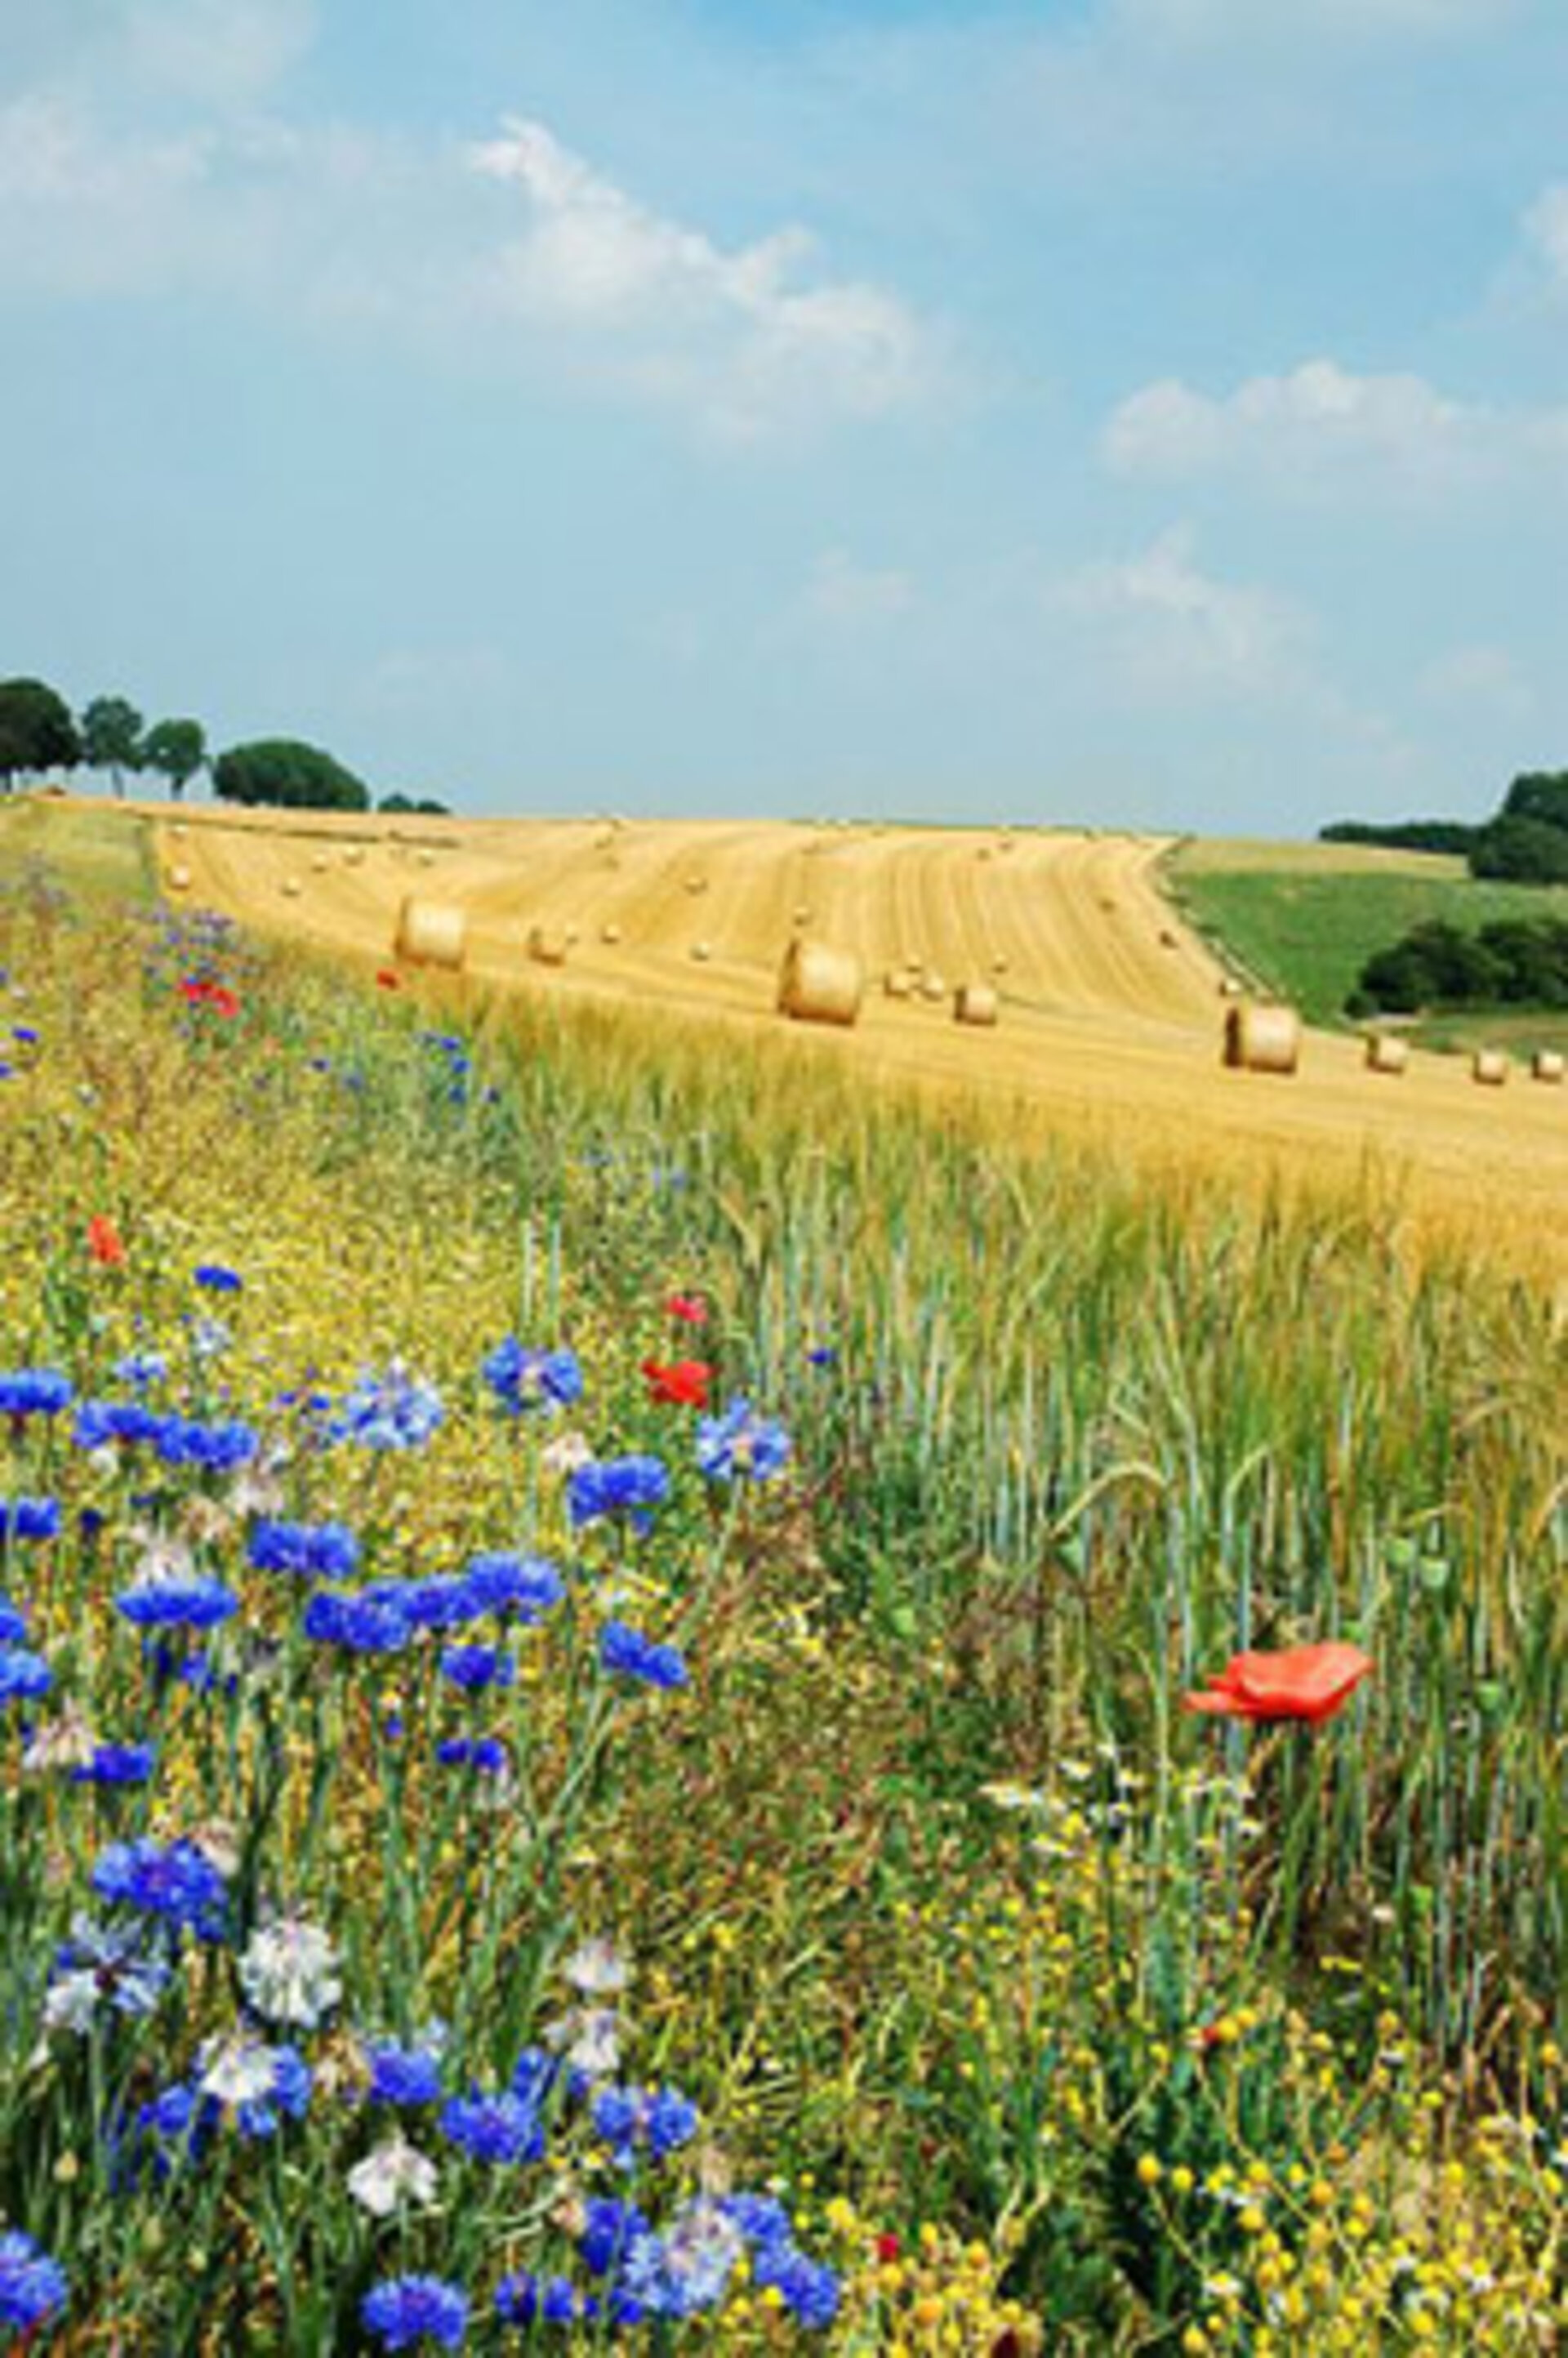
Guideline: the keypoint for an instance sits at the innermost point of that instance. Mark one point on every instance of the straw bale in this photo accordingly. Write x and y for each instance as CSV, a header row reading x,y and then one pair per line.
x,y
819,984
896,984
611,934
1490,1068
975,1002
932,987
179,880
999,966
1386,1052
548,945
702,952
1548,1064
320,861
430,933
1261,1039
1231,988
291,888
353,854
696,884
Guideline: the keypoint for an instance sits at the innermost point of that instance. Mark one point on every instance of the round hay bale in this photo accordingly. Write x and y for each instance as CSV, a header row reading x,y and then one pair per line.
x,y
291,888
179,830
702,952
1548,1064
610,934
179,880
999,966
975,1002
430,933
1386,1052
548,944
427,859
819,984
320,861
933,988
802,915
1263,1039
353,854
574,936
1490,1068
1229,987
896,984
696,884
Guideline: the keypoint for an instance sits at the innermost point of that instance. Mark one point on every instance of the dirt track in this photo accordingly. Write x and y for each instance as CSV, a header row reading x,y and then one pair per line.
x,y
1111,1011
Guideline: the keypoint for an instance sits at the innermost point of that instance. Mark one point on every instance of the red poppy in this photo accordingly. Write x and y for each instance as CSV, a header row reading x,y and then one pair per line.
x,y
388,981
683,1385
203,993
103,1241
1306,1682
888,2249
689,1308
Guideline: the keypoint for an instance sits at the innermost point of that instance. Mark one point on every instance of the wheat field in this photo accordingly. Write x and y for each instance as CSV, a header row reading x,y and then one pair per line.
x,y
1111,1009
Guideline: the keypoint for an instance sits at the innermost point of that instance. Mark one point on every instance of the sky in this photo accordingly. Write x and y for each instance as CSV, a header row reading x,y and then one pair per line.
x,y
1144,411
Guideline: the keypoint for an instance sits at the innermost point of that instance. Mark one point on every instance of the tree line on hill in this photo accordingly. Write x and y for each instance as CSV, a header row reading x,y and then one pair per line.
x,y
1512,961
1524,842
41,736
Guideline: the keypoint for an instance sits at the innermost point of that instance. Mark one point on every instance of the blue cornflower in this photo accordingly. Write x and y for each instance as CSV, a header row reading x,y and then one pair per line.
x,y
528,1585
484,1754
687,2269
34,1391
523,1379
29,1518
362,1624
117,1764
810,2291
140,1368
173,1880
610,2230
659,2119
825,1356
495,2128
27,1034
630,1486
258,2085
627,1651
406,2310
23,1676
312,1551
474,1667
740,1445
99,1422
524,2300
443,1602
762,2218
403,2075
184,1442
393,1410
216,1278
102,1965
13,1623
32,2287
176,1600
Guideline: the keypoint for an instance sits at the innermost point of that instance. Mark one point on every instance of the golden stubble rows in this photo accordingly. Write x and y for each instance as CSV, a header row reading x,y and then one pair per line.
x,y
1112,1010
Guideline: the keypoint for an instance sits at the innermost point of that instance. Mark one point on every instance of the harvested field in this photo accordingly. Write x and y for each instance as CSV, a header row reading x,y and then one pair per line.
x,y
1108,1029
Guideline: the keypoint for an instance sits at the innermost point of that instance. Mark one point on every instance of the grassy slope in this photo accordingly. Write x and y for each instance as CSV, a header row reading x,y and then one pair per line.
x,y
1304,919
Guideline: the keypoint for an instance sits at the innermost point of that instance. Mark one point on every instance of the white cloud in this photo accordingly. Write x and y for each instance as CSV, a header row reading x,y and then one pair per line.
x,y
739,335
1546,230
1321,426
217,53
1174,629
1478,678
849,596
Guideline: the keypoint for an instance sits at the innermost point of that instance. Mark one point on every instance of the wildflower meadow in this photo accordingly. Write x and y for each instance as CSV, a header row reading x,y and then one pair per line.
x,y
660,1706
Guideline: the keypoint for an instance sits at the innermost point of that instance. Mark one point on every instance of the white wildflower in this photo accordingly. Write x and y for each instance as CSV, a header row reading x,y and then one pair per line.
x,y
394,2173
288,1973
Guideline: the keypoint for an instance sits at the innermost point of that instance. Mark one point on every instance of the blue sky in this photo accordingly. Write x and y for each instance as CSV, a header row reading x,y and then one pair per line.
x,y
1148,411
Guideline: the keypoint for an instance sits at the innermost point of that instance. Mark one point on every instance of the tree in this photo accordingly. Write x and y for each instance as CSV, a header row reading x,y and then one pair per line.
x,y
176,750
407,805
1540,794
112,738
283,771
37,731
1524,851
